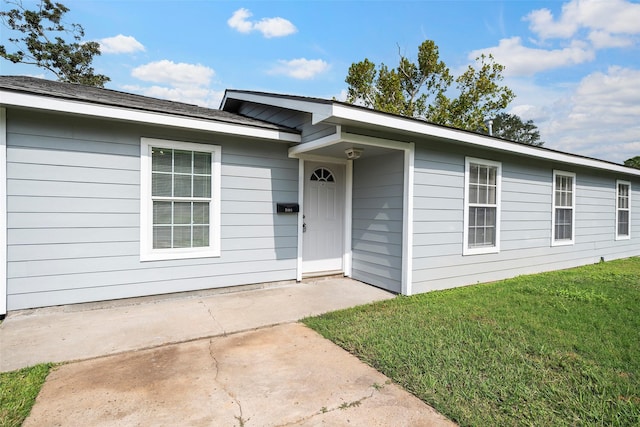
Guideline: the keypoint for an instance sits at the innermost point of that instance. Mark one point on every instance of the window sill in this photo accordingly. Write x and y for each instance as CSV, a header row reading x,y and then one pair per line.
x,y
562,243
177,254
481,251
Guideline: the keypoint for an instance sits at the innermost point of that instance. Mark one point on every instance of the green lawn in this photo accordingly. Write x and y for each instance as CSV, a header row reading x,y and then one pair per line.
x,y
18,392
553,349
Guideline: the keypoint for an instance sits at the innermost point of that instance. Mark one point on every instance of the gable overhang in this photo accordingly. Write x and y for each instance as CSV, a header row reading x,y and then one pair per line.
x,y
74,107
351,116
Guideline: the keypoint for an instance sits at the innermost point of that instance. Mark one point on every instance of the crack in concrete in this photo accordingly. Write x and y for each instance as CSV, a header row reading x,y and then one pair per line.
x,y
240,418
224,332
341,407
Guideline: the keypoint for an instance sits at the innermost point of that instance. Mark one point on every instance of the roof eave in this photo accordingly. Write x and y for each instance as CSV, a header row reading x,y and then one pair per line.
x,y
25,100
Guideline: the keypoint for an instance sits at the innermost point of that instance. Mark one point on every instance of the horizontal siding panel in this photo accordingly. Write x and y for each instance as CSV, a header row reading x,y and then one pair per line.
x,y
259,172
382,249
86,294
378,191
241,219
236,194
438,192
72,205
131,148
379,237
435,203
30,236
379,202
72,174
380,226
22,187
69,220
251,231
66,158
382,214
150,275
258,183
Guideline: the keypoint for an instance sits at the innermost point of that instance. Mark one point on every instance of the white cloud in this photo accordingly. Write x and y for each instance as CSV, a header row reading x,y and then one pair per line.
x,y
180,74
610,16
603,39
596,118
522,60
269,27
301,68
181,82
120,44
197,95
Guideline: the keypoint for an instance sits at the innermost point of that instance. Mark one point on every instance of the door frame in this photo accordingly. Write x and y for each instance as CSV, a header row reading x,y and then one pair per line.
x,y
347,203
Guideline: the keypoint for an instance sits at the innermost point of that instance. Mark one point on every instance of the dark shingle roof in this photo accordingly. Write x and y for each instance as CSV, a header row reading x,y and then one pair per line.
x,y
114,98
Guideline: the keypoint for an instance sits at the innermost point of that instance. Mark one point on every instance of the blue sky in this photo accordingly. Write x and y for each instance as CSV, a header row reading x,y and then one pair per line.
x,y
574,65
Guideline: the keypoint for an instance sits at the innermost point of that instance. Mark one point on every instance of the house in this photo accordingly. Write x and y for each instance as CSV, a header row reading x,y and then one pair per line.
x,y
109,195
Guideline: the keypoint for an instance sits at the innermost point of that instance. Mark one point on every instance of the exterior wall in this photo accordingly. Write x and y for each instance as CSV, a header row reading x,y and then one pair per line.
x,y
73,208
377,220
526,210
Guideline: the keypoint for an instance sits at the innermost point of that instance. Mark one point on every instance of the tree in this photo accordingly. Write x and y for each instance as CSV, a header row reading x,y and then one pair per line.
x,y
40,42
421,89
512,128
633,162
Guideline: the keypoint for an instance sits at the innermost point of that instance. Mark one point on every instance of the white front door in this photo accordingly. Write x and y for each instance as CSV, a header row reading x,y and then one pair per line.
x,y
323,218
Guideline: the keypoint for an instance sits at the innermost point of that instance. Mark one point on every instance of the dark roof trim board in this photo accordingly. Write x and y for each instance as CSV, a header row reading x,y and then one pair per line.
x,y
50,95
338,112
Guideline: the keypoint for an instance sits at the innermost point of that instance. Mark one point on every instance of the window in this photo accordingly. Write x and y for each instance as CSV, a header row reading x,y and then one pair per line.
x,y
482,207
623,210
564,199
180,200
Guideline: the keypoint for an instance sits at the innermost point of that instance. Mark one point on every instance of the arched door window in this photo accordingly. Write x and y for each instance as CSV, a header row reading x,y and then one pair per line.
x,y
323,175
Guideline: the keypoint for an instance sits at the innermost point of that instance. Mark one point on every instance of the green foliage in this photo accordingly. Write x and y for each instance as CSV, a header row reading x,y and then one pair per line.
x,y
18,392
558,348
420,89
39,41
633,162
512,128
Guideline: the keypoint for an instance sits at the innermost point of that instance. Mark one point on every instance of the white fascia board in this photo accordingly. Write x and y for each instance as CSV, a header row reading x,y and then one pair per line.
x,y
15,99
414,126
325,141
319,111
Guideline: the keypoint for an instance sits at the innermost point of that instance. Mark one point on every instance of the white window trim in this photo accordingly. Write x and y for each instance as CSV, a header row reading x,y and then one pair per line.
x,y
563,242
623,236
466,250
147,253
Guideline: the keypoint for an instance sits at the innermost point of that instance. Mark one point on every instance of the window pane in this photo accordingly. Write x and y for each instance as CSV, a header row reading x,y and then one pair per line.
x,y
182,236
182,213
491,196
182,186
161,213
201,213
202,163
473,173
161,159
200,236
202,186
161,184
182,162
482,195
492,175
623,223
563,227
161,237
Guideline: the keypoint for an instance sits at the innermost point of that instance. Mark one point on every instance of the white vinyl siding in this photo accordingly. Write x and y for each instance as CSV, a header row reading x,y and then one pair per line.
x,y
482,206
179,200
564,201
623,210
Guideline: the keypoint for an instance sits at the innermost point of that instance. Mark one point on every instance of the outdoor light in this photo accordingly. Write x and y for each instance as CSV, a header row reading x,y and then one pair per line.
x,y
353,153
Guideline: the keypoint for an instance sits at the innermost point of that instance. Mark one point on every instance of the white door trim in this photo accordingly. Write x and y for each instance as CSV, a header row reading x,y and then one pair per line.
x,y
3,211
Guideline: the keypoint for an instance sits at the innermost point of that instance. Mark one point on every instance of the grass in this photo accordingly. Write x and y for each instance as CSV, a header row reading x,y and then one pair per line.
x,y
559,348
18,392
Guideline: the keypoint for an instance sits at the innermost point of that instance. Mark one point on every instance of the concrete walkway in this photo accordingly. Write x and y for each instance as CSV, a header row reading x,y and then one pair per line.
x,y
206,360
